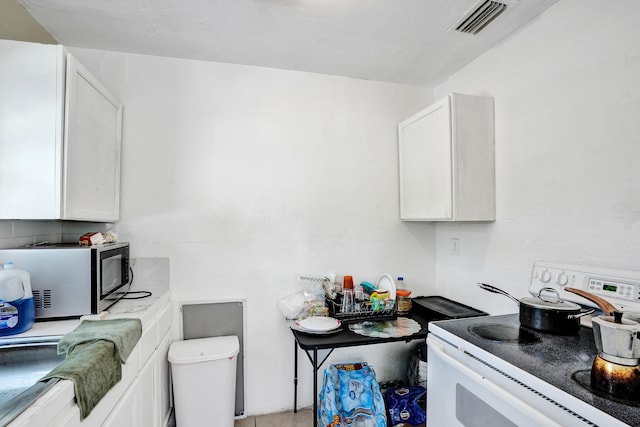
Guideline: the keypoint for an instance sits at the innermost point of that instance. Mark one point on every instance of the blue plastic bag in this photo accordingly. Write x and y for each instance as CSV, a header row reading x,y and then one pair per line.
x,y
404,407
351,395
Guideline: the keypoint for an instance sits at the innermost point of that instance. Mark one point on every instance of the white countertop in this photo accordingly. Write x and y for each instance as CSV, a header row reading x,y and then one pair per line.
x,y
143,309
146,310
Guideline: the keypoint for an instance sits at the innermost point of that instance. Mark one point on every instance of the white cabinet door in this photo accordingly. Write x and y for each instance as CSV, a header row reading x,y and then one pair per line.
x,y
31,110
124,413
59,137
446,161
137,406
163,380
425,164
147,395
92,148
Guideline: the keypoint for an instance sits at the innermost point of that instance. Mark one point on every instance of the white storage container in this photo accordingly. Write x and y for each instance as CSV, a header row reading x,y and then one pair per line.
x,y
17,306
204,381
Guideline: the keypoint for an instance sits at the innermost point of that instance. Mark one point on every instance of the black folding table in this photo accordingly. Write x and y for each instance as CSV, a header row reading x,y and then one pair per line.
x,y
345,338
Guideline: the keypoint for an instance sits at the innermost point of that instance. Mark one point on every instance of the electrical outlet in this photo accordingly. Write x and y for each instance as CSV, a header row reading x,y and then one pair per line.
x,y
455,246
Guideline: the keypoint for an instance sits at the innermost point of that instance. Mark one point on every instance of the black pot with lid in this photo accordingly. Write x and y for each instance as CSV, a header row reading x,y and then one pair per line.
x,y
546,312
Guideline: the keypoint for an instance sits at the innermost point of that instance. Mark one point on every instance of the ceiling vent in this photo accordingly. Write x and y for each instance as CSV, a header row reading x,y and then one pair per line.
x,y
481,16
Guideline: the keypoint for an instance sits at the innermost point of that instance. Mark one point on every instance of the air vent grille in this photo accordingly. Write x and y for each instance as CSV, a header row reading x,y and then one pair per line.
x,y
42,299
481,16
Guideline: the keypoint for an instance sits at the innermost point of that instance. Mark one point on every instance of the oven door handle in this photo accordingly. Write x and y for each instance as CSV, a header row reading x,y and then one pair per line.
x,y
438,347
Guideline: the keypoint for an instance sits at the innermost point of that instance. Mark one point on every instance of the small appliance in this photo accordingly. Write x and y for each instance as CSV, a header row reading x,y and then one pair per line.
x,y
69,281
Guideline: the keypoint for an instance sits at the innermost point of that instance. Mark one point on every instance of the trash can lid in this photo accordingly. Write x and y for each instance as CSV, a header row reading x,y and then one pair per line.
x,y
203,349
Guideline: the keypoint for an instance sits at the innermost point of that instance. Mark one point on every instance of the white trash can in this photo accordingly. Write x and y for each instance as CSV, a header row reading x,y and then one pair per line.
x,y
204,381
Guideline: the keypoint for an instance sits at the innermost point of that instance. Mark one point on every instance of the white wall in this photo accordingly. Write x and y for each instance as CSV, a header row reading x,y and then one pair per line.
x,y
567,100
248,177
16,233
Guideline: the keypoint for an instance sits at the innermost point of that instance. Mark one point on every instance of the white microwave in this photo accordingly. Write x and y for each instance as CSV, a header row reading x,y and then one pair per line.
x,y
69,281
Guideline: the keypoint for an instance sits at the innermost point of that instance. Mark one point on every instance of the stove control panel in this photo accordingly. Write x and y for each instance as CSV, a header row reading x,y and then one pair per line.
x,y
620,287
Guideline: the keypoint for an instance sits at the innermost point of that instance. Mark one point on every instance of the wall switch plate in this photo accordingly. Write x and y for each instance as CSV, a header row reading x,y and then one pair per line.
x,y
455,246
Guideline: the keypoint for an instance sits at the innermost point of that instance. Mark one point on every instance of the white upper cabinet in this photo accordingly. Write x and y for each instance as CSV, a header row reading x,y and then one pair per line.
x,y
60,136
91,179
446,161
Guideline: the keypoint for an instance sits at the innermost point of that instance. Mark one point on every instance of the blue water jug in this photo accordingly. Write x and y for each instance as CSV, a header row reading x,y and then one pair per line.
x,y
17,307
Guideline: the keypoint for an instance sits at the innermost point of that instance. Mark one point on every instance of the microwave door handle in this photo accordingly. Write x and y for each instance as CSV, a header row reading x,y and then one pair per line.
x,y
437,347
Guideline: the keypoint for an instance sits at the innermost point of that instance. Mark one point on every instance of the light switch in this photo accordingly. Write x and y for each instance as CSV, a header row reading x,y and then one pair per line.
x,y
455,246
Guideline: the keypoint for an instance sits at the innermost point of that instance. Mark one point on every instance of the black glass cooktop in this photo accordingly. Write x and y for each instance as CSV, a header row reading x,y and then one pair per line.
x,y
554,359
509,334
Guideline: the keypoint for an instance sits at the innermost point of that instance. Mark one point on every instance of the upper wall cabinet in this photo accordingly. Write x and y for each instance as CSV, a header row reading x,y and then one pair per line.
x,y
446,155
60,133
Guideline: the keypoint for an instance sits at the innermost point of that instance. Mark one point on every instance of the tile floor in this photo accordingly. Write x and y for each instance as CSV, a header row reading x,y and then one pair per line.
x,y
304,417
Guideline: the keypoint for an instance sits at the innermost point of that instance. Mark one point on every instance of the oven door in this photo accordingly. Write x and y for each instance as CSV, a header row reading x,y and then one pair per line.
x,y
462,391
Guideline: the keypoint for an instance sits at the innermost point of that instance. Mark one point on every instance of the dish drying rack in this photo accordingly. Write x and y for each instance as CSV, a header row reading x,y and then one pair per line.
x,y
366,312
333,302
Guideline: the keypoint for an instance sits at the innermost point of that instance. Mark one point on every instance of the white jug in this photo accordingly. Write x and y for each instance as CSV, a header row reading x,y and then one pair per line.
x,y
14,283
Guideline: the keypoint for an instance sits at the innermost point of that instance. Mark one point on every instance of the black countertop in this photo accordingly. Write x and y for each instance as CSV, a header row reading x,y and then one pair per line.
x,y
348,338
555,359
425,309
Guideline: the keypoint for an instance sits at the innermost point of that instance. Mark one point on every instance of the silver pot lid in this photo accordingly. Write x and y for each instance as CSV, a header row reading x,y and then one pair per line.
x,y
550,304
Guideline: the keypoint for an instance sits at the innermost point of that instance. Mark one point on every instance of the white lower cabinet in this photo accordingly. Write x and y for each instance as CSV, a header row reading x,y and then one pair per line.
x,y
142,398
146,403
123,413
136,407
146,393
163,368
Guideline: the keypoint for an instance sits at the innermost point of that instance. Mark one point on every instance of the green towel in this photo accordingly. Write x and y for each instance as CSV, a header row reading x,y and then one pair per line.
x,y
95,351
124,333
94,367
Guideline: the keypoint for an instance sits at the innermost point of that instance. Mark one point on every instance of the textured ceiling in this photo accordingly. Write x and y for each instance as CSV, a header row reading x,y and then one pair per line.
x,y
403,41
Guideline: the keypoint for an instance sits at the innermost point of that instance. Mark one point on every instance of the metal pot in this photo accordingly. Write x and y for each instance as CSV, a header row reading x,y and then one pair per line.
x,y
615,379
544,313
617,339
617,342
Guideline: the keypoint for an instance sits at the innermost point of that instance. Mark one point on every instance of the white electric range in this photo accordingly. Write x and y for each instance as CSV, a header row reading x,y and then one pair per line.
x,y
489,371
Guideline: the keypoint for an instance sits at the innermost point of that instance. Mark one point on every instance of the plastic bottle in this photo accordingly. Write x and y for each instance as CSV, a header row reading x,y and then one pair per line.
x,y
403,298
17,307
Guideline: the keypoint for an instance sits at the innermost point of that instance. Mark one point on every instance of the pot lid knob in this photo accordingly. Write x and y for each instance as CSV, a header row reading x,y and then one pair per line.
x,y
617,316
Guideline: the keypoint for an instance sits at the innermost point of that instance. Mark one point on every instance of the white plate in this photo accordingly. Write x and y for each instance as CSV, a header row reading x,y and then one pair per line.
x,y
294,325
386,282
319,324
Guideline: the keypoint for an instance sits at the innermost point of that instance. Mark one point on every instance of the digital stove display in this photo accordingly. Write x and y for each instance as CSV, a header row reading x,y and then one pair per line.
x,y
612,289
609,287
